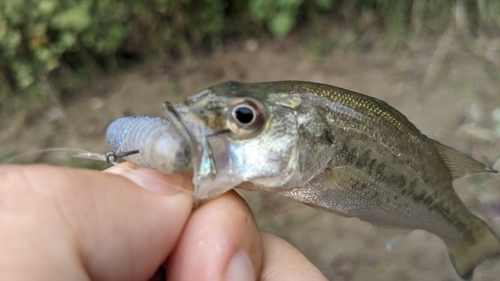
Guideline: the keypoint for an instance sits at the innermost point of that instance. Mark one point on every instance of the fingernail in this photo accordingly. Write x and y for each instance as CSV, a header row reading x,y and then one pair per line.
x,y
240,268
154,181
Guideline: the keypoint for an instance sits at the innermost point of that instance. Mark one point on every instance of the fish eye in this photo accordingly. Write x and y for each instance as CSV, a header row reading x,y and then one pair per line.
x,y
245,117
244,114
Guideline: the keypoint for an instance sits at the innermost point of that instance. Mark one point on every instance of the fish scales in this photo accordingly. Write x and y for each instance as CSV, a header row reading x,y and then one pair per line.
x,y
390,172
397,130
329,148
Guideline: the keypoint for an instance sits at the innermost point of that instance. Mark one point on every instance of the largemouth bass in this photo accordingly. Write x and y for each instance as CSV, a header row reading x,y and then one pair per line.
x,y
324,146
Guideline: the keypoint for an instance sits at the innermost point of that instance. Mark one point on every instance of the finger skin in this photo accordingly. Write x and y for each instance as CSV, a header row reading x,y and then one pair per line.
x,y
216,231
283,262
69,224
121,168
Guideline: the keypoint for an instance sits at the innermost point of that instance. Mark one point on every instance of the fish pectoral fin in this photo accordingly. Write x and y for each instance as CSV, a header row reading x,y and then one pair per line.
x,y
459,164
391,236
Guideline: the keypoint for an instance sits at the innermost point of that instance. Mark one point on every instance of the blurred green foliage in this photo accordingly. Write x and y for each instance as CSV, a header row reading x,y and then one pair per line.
x,y
281,15
42,37
38,37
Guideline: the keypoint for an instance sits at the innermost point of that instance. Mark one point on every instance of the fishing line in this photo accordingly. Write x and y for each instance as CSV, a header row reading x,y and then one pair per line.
x,y
41,151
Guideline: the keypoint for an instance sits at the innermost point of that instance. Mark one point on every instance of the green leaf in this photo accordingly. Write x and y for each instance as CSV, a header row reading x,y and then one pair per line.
x,y
289,3
281,24
261,9
11,41
47,7
76,18
23,74
325,4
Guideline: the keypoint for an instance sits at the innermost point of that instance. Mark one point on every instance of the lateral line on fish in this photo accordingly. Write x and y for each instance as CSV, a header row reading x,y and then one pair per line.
x,y
435,202
384,145
380,156
445,212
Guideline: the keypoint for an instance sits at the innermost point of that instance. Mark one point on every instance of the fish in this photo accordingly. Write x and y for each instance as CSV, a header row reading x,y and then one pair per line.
x,y
325,146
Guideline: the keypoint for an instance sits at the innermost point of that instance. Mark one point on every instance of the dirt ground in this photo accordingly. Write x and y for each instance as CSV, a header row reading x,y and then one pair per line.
x,y
449,92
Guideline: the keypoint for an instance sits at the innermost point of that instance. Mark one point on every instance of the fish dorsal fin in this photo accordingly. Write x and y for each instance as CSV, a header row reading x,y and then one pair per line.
x,y
459,164
391,236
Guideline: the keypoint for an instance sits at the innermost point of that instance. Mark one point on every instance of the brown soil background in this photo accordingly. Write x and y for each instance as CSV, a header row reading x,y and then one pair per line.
x,y
447,90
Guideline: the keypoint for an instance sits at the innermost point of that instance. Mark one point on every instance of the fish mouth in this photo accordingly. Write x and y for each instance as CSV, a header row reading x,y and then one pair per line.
x,y
173,114
211,174
193,131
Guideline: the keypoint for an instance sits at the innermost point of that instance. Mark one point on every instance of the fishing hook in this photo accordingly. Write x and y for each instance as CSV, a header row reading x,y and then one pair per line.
x,y
111,157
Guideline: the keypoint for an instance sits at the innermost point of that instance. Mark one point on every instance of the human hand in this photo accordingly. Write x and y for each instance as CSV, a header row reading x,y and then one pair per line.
x,y
69,224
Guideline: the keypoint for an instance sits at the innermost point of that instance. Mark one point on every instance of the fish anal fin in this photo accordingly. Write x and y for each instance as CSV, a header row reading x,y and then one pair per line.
x,y
466,256
458,163
391,236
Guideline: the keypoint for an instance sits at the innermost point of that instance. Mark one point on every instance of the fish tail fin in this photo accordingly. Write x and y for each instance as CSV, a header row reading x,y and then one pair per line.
x,y
466,256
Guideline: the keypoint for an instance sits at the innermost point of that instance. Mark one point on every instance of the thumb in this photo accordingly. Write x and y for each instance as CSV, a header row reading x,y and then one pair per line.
x,y
100,225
